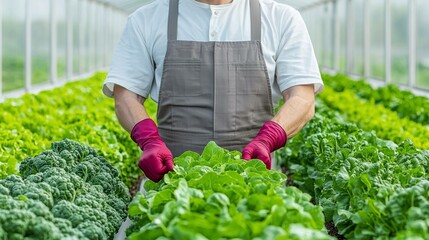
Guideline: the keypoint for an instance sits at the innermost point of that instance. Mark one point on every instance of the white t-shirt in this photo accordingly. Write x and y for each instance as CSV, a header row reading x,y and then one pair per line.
x,y
288,52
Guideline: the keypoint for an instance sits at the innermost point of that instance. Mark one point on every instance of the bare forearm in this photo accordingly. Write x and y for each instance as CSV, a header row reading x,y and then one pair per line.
x,y
297,110
129,108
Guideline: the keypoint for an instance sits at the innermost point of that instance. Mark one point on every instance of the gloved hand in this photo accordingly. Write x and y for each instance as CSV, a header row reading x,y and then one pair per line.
x,y
157,159
270,137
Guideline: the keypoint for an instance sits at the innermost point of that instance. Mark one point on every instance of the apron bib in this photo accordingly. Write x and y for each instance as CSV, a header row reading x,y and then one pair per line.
x,y
213,91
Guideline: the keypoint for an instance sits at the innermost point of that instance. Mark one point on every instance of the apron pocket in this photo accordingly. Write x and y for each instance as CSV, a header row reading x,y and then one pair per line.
x,y
183,79
251,80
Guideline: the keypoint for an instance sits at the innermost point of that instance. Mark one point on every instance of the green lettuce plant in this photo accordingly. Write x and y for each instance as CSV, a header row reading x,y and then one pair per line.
x,y
219,196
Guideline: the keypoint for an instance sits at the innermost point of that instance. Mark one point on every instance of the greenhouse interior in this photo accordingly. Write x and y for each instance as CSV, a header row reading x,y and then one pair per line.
x,y
73,163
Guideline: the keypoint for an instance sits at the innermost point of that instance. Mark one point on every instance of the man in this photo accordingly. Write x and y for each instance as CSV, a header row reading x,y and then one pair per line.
x,y
215,67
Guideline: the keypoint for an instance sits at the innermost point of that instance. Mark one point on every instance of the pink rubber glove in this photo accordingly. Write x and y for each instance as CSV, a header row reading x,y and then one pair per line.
x,y
157,159
270,137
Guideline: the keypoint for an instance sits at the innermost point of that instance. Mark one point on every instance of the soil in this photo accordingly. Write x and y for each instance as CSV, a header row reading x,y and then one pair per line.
x,y
289,181
333,231
135,186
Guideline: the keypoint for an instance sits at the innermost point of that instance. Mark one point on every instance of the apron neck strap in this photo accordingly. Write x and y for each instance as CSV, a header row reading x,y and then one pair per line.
x,y
255,19
173,14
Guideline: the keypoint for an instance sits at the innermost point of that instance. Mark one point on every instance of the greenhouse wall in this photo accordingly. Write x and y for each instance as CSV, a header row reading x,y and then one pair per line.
x,y
45,43
381,40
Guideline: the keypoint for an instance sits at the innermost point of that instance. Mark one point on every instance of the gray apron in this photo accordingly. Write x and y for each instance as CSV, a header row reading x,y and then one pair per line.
x,y
216,91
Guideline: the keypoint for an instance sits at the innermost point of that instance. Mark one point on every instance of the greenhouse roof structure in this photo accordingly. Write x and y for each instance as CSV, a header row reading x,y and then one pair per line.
x,y
131,5
67,39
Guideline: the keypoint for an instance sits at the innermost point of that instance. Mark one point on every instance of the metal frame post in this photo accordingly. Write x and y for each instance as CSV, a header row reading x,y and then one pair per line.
x,y
104,35
388,41
317,31
367,39
109,40
337,37
325,49
95,35
100,36
28,50
330,42
1,48
350,37
412,43
91,40
82,26
53,42
69,52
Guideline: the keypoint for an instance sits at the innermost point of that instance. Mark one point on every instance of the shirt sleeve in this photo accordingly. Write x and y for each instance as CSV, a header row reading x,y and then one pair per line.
x,y
296,62
132,66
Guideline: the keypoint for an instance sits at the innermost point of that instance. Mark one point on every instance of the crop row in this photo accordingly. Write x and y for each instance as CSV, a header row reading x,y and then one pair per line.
x,y
77,111
403,102
369,187
66,192
220,196
370,117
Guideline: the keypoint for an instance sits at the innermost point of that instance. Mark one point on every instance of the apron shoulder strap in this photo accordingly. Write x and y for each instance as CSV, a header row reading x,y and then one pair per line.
x,y
255,20
173,13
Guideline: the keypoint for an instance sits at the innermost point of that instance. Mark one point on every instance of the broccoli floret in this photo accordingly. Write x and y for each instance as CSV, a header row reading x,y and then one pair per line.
x,y
4,191
69,158
105,180
41,163
115,219
36,191
69,211
40,210
41,229
96,216
95,164
9,203
68,232
119,206
100,210
85,170
65,186
78,214
122,191
92,231
36,178
15,221
64,225
77,150
12,182
91,199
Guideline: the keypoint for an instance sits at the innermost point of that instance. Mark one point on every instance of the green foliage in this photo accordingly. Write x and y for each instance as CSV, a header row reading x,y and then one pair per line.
x,y
404,103
54,199
371,188
77,111
371,117
217,196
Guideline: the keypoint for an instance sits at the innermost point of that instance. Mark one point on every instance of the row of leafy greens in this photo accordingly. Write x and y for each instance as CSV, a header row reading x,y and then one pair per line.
x,y
370,117
403,102
216,195
67,192
369,187
77,111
